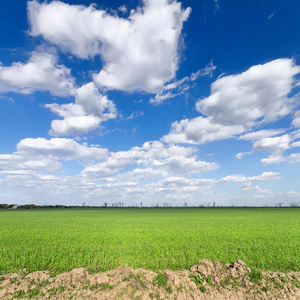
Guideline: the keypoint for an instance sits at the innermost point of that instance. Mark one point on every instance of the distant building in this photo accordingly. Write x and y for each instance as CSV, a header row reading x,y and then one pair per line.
x,y
16,206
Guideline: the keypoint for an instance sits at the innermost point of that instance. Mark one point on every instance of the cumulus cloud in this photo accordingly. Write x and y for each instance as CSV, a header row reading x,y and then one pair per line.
x,y
40,73
264,140
37,159
260,93
201,130
61,149
273,144
138,53
273,159
156,171
168,159
237,103
18,165
86,114
293,158
248,181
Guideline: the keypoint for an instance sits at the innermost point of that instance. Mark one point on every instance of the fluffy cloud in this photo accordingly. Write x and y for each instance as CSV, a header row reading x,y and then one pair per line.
x,y
237,102
293,158
18,165
275,145
74,125
201,130
40,73
272,159
260,93
89,110
138,53
40,157
167,159
264,140
60,149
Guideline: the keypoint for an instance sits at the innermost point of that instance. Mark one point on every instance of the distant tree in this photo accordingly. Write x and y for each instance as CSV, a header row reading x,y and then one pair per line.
x,y
105,204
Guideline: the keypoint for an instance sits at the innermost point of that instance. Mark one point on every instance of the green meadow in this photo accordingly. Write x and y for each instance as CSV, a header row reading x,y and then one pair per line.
x,y
102,239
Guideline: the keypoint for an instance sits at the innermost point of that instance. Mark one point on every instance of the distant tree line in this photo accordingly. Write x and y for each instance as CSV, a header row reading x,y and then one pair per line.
x,y
140,205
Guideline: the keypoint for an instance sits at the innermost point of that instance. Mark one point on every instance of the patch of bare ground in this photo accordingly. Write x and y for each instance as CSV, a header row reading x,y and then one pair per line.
x,y
207,280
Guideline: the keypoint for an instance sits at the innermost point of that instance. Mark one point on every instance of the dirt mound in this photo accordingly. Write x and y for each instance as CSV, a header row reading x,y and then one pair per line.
x,y
207,280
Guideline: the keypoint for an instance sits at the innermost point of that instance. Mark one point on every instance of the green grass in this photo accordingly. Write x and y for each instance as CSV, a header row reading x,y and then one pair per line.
x,y
161,280
59,240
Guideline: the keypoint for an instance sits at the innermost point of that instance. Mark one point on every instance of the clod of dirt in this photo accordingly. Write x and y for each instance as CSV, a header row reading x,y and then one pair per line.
x,y
206,280
238,268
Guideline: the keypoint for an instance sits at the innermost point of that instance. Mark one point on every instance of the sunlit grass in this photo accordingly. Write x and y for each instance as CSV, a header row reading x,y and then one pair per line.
x,y
160,238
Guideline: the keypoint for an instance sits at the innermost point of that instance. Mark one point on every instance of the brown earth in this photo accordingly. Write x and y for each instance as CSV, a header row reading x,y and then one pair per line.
x,y
207,280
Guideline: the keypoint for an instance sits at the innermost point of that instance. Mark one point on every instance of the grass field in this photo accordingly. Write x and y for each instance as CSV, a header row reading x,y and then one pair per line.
x,y
151,238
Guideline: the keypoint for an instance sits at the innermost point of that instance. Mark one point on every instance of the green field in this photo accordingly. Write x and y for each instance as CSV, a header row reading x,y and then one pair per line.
x,y
152,238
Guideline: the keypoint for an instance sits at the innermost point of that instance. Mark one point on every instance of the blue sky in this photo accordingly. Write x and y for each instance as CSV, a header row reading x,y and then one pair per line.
x,y
150,101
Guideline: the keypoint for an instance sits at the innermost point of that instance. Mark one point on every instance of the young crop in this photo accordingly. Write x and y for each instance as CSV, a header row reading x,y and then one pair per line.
x,y
59,240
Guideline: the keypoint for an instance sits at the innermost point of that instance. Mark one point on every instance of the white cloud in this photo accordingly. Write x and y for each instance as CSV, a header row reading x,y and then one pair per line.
x,y
295,134
237,102
273,159
134,115
184,165
263,140
256,135
208,70
260,93
296,121
122,9
181,86
240,155
294,158
74,125
200,130
17,164
60,149
168,159
295,144
138,53
273,144
89,111
40,73
262,177
160,98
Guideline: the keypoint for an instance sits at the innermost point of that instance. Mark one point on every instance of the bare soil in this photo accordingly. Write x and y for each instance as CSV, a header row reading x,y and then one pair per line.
x,y
207,280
